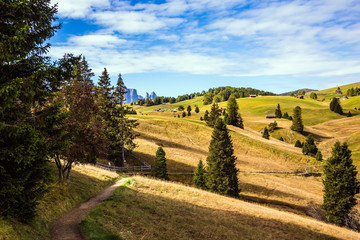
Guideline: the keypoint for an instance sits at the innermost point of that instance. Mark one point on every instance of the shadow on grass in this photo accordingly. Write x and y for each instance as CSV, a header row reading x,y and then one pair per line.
x,y
172,165
139,215
166,143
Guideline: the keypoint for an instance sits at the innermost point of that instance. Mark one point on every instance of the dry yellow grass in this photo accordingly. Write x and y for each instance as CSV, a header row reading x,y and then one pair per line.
x,y
153,209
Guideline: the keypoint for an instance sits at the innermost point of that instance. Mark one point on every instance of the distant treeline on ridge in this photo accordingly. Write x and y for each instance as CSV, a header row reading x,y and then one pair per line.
x,y
219,94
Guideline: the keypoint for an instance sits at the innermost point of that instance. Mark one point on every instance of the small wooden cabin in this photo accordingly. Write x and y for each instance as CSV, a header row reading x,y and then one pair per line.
x,y
270,116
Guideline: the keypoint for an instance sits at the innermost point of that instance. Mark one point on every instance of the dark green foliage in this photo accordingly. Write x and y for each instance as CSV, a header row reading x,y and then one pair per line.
x,y
309,147
272,126
183,114
221,94
352,92
232,116
24,170
214,115
286,115
197,110
206,115
159,170
201,119
266,133
301,92
313,95
297,125
27,82
199,176
335,106
319,156
221,173
349,114
281,139
340,184
189,110
181,108
298,144
278,113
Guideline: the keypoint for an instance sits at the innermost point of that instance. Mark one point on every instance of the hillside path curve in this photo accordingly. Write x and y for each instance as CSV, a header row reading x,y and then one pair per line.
x,y
68,227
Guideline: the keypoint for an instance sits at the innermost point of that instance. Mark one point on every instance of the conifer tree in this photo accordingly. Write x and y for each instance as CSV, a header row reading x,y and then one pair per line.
x,y
28,82
335,106
266,133
189,110
159,170
214,115
183,114
122,127
197,110
199,176
340,184
319,156
349,114
278,113
298,144
281,139
309,146
286,115
232,108
297,125
201,119
206,115
221,173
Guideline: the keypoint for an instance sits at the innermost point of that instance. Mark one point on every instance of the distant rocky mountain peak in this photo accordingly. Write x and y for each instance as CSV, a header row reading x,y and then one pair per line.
x,y
132,96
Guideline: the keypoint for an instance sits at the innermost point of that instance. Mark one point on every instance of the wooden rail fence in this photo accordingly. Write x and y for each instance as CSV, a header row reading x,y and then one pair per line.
x,y
145,167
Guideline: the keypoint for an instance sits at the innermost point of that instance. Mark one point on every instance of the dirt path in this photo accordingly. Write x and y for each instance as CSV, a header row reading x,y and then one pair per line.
x,y
68,227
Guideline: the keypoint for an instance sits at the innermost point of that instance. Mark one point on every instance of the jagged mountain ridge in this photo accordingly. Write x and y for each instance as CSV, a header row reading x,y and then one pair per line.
x,y
132,95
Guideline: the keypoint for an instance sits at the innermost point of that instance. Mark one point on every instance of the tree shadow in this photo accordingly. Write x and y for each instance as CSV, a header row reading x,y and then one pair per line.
x,y
166,143
152,216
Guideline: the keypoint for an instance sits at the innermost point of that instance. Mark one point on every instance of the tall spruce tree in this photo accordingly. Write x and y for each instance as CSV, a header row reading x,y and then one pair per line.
x,y
309,147
232,108
297,125
278,113
340,184
221,172
122,127
199,176
213,116
188,109
159,170
335,106
197,110
28,81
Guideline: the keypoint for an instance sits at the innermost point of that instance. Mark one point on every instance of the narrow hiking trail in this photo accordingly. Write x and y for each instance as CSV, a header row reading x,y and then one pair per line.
x,y
68,227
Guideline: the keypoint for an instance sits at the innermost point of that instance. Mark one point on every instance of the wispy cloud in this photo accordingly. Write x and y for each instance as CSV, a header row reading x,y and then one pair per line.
x,y
225,38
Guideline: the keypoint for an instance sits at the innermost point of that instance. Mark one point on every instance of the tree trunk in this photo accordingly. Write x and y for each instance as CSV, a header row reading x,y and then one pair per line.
x,y
123,156
60,168
68,174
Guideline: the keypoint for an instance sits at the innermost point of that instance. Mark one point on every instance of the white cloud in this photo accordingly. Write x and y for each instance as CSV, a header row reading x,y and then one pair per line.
x,y
79,8
94,40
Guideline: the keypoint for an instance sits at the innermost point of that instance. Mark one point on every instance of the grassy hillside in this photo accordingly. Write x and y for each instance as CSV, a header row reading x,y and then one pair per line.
x,y
152,209
330,92
86,181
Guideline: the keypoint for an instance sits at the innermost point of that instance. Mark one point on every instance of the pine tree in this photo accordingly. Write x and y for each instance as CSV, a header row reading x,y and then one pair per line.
x,y
232,108
183,114
189,110
319,156
221,173
281,139
206,115
199,176
297,120
159,170
201,119
278,113
349,114
197,110
266,133
309,146
286,115
340,184
214,115
338,109
28,83
122,127
298,144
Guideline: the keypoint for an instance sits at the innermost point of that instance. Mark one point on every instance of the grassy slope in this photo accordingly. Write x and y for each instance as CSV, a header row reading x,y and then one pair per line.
x,y
330,92
86,181
152,209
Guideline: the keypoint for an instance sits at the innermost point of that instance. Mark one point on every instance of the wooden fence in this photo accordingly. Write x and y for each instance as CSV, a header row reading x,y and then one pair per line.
x,y
145,167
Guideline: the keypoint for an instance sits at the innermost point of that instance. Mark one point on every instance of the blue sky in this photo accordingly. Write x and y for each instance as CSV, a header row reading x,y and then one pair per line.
x,y
175,47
